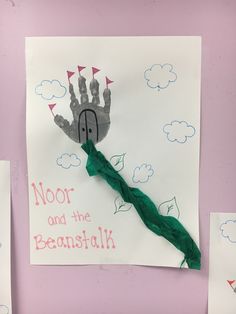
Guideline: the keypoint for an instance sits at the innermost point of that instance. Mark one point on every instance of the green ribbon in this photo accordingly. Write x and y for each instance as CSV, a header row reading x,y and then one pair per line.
x,y
166,226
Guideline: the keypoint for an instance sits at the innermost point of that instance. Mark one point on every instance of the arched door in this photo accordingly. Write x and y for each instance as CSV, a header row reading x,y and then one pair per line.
x,y
88,126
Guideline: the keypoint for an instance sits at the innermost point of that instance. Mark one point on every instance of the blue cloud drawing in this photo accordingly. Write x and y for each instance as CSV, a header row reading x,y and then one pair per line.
x,y
4,309
178,131
68,160
142,173
49,89
160,76
228,230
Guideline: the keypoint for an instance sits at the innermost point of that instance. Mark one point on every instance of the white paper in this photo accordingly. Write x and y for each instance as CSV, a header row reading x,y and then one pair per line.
x,y
153,141
222,265
5,241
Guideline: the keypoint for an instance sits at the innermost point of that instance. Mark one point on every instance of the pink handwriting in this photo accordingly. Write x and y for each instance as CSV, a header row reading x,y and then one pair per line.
x,y
79,217
102,240
59,196
57,220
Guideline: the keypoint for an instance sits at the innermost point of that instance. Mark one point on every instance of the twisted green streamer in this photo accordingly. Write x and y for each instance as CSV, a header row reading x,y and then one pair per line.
x,y
166,226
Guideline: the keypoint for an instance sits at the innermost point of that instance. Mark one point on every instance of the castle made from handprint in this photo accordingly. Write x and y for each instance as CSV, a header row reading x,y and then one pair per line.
x,y
90,120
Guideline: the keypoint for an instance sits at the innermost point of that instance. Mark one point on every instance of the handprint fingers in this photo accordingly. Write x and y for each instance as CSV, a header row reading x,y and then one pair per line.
x,y
74,101
72,93
107,99
94,88
90,121
83,90
61,122
69,129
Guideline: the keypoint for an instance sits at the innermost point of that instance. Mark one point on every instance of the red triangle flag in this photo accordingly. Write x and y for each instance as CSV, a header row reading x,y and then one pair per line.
x,y
108,81
231,282
69,74
95,70
80,68
51,106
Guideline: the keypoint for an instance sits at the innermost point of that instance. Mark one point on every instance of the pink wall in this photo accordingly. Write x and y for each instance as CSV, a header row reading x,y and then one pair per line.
x,y
120,289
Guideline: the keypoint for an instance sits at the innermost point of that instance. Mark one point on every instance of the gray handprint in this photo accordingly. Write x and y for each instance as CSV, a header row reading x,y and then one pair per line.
x,y
90,121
